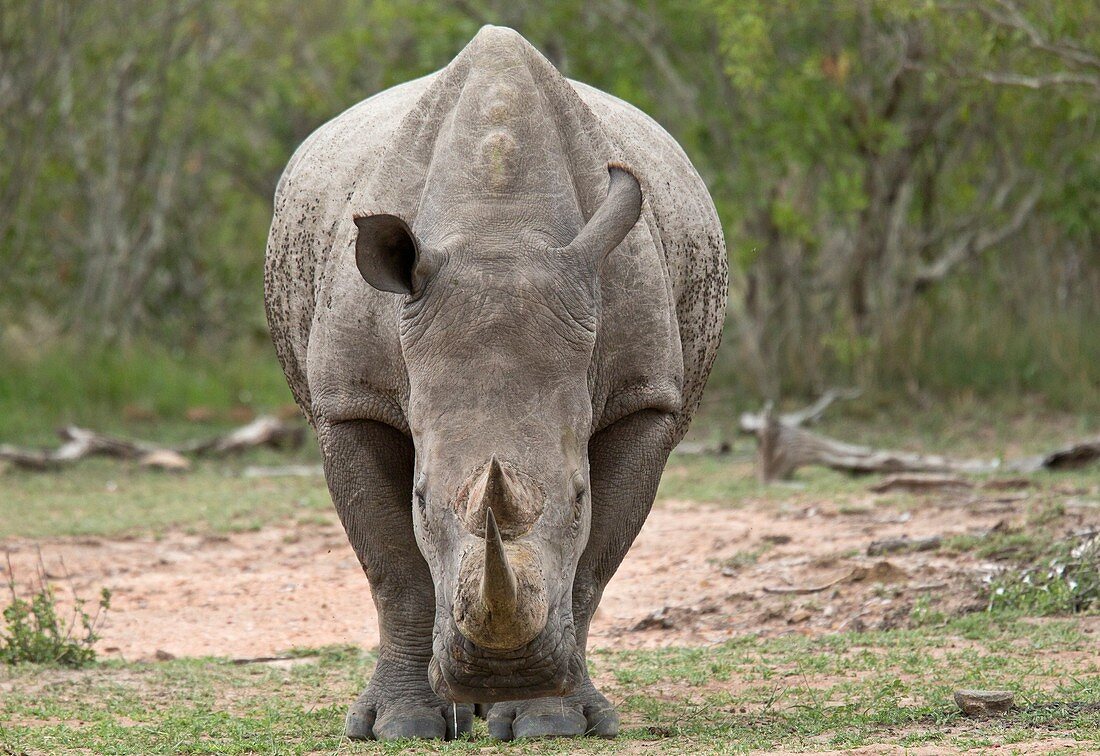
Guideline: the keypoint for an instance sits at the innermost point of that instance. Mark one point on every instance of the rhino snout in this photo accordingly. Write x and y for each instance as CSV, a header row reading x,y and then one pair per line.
x,y
548,665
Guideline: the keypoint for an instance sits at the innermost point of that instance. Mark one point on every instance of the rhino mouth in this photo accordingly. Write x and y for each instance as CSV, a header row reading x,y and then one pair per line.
x,y
549,665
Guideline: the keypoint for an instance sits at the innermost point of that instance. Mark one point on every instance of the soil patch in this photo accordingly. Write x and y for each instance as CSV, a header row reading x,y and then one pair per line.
x,y
696,575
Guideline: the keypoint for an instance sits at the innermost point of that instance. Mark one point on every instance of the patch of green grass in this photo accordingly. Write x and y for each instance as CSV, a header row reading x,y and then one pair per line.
x,y
66,382
745,558
104,497
791,692
107,497
1014,545
729,479
855,689
1038,536
1065,581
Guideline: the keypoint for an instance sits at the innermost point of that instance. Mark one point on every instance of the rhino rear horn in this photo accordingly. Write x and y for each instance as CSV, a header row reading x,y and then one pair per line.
x,y
614,218
495,490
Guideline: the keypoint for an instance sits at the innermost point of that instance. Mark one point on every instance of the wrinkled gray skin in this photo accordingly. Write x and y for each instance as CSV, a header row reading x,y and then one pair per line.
x,y
496,295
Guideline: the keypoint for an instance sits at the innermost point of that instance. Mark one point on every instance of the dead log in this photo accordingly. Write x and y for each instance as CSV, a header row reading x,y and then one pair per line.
x,y
168,460
920,482
783,448
28,459
1067,458
265,430
79,443
752,422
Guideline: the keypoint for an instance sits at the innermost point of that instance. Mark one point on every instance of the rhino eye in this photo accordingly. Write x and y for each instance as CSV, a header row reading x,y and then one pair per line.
x,y
418,493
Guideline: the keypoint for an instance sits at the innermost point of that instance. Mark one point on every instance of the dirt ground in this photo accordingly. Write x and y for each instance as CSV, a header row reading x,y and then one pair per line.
x,y
696,575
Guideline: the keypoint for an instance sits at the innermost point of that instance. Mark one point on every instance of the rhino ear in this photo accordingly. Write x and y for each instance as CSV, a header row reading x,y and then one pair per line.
x,y
614,218
389,256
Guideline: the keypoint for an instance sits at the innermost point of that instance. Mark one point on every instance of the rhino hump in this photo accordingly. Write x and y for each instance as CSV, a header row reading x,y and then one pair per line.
x,y
498,120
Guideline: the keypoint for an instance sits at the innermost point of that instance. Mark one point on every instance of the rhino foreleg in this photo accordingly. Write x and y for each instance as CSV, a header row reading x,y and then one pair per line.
x,y
369,467
626,460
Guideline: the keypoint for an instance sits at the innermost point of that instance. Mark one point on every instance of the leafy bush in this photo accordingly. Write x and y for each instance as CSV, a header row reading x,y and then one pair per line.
x,y
1064,582
35,632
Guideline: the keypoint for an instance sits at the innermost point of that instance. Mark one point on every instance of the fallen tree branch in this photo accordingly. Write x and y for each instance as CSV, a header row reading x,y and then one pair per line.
x,y
784,448
880,572
79,443
905,544
919,482
752,422
1067,458
263,431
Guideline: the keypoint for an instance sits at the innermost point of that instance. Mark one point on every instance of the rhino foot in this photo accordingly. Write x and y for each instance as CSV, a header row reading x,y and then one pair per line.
x,y
393,719
584,712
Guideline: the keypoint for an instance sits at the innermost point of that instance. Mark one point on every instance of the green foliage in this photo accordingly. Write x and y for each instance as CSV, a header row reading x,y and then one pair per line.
x,y
91,384
35,632
849,147
1065,581
1018,546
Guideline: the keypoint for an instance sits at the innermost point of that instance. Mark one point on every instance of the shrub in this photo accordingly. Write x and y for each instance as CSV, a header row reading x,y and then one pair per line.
x,y
36,632
1066,581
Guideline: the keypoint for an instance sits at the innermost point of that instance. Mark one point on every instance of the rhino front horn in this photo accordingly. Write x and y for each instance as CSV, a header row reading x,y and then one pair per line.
x,y
498,581
501,602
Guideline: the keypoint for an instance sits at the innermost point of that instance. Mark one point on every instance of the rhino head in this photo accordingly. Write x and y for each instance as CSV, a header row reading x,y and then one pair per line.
x,y
498,321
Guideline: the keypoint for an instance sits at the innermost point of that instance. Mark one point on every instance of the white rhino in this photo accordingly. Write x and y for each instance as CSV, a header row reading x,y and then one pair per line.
x,y
496,294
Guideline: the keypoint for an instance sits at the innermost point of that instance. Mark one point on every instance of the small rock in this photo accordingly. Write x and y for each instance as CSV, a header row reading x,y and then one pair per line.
x,y
879,572
903,545
659,619
799,617
983,703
